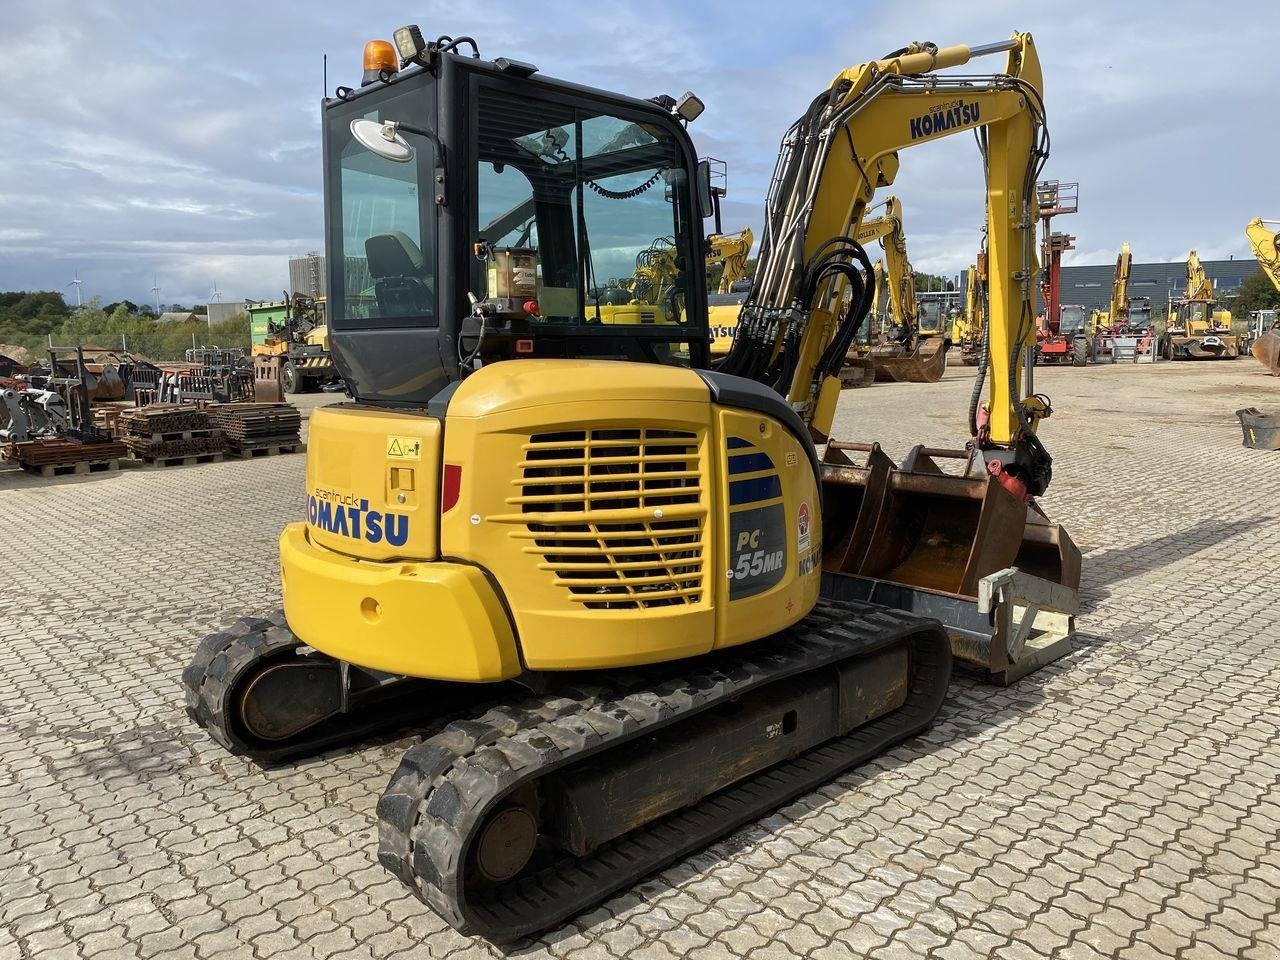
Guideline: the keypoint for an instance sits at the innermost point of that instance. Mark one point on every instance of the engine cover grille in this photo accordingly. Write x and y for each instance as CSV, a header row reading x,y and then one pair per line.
x,y
616,516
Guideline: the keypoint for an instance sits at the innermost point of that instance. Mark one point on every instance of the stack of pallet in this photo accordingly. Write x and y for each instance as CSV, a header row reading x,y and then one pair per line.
x,y
51,456
258,429
172,435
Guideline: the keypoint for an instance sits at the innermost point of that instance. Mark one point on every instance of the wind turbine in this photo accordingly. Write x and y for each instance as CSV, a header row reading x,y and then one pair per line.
x,y
215,296
77,283
156,290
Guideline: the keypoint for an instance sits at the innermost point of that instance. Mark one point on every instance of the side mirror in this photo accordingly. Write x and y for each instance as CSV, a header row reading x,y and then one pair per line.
x,y
706,199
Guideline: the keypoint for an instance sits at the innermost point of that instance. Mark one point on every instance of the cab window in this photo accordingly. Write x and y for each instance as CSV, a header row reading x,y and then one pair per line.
x,y
604,203
383,225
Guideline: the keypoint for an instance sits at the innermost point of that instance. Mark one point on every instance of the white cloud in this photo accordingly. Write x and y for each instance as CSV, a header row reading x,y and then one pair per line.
x,y
183,141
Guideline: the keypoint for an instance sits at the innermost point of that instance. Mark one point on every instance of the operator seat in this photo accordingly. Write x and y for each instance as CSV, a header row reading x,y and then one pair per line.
x,y
400,277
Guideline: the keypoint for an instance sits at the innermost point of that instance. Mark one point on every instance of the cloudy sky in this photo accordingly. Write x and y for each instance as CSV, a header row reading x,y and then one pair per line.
x,y
181,141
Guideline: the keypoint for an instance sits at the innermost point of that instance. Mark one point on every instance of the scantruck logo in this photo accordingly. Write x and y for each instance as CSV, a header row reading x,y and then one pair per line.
x,y
348,516
961,113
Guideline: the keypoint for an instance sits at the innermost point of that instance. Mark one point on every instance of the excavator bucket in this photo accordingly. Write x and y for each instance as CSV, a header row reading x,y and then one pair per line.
x,y
1267,350
924,364
960,548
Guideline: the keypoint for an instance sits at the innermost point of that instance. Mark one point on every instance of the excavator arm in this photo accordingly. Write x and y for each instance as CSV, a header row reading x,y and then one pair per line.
x,y
731,250
793,333
904,310
1199,287
1266,247
1120,285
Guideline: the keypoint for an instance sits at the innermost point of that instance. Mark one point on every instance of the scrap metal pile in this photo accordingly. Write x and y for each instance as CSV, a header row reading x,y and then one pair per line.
x,y
251,427
46,420
51,452
170,431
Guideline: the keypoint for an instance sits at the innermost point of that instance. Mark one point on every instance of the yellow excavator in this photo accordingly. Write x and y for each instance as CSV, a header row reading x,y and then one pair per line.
x,y
1125,315
1266,247
1196,328
967,334
904,354
649,610
730,250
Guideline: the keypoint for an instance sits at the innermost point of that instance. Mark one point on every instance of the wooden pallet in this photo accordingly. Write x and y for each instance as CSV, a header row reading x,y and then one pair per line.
x,y
80,468
173,435
190,460
264,448
57,453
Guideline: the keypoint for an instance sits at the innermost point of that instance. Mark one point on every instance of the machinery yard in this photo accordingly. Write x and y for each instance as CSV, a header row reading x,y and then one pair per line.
x,y
1121,802
669,572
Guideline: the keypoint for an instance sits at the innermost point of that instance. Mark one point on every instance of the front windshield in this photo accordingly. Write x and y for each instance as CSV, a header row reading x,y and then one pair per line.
x,y
1197,311
1071,319
1139,317
601,201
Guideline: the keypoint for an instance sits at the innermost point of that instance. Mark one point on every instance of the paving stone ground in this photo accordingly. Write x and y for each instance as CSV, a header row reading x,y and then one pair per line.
x,y
1123,802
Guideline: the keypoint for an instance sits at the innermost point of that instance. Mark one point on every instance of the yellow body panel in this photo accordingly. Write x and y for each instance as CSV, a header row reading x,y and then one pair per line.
x,y
426,619
723,321
607,514
744,541
373,482
494,418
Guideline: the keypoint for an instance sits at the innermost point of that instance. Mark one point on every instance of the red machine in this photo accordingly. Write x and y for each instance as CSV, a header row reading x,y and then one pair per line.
x,y
1061,329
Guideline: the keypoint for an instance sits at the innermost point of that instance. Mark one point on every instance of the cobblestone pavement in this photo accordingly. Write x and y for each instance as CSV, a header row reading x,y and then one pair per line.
x,y
1124,802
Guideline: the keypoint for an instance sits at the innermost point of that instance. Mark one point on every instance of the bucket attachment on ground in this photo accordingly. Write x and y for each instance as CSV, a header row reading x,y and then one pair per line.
x,y
1267,351
1261,430
897,363
929,542
267,384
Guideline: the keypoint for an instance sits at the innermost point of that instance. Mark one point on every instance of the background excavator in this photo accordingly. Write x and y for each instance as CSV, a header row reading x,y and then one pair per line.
x,y
730,251
1196,328
1124,316
967,332
653,610
1266,247
904,354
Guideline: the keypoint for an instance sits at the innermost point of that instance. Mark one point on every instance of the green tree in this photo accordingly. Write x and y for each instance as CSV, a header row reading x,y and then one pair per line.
x,y
1257,292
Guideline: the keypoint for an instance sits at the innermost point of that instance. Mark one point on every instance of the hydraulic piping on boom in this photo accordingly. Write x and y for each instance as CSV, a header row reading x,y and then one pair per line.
x,y
792,334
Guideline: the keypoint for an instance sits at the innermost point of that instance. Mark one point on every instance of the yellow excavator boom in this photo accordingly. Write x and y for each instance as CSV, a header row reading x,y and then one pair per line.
x,y
1199,286
900,278
831,163
1266,247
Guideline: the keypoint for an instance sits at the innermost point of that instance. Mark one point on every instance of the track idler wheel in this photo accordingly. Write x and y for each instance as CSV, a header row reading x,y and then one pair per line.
x,y
251,689
263,694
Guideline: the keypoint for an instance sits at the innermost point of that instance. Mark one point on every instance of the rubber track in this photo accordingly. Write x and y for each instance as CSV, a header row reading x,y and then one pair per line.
x,y
223,658
220,659
446,786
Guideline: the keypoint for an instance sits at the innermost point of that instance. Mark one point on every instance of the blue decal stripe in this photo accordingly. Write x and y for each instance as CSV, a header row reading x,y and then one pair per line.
x,y
752,491
750,463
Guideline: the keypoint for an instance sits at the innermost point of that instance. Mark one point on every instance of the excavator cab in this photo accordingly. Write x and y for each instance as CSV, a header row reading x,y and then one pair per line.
x,y
442,182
